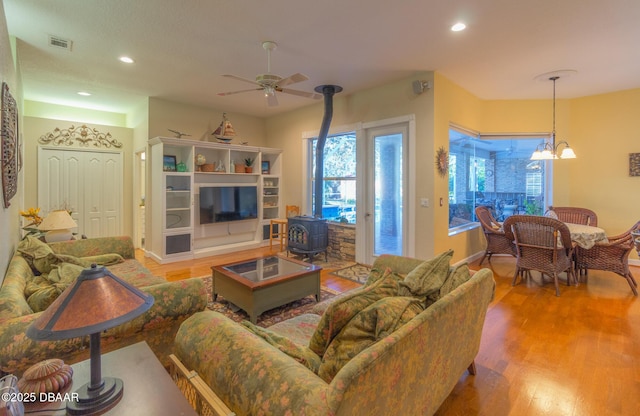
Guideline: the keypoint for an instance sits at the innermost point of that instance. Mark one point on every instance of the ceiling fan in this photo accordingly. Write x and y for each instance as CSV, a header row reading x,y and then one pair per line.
x,y
271,83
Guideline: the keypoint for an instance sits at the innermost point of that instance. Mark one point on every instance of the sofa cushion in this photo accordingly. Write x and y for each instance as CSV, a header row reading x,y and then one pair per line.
x,y
298,329
368,326
34,251
342,310
135,273
300,353
426,279
42,259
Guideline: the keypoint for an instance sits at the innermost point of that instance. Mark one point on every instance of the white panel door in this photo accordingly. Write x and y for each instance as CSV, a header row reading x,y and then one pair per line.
x,y
50,180
94,195
73,184
112,186
88,183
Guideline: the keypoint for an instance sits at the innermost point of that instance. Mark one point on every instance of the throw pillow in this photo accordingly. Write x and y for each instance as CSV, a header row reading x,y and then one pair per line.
x,y
369,326
425,280
32,249
301,354
457,276
342,310
374,275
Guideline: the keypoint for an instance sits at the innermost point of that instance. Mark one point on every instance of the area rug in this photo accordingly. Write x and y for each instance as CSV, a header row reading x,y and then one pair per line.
x,y
356,272
270,317
319,260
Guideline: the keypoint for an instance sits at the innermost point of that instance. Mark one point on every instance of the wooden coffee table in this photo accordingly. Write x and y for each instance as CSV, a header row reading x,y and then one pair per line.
x,y
265,283
148,387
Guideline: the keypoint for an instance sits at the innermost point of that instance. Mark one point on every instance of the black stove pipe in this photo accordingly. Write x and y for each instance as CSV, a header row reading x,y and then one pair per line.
x,y
327,91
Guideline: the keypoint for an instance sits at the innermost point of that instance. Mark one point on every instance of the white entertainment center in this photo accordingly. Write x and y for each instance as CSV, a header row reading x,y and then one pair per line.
x,y
230,215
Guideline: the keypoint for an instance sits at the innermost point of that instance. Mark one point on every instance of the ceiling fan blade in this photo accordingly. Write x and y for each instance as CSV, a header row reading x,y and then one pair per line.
x,y
272,100
292,79
237,92
311,95
250,81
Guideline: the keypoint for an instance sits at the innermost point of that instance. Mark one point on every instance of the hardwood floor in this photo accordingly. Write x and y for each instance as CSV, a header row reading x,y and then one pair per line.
x,y
202,267
577,354
574,355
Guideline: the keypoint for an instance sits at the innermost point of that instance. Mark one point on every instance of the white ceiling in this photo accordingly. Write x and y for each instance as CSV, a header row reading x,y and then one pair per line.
x,y
182,48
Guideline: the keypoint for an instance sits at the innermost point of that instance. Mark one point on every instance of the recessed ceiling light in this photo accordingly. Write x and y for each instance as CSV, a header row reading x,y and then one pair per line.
x,y
84,93
126,60
458,27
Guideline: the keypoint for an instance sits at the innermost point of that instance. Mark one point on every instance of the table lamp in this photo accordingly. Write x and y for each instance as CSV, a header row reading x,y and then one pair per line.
x,y
95,302
58,225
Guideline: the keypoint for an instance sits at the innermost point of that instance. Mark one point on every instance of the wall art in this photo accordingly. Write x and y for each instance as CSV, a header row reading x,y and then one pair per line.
x,y
10,146
634,164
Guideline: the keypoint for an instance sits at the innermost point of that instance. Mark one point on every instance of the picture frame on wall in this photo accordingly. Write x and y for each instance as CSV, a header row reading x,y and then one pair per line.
x,y
169,163
10,162
634,164
266,167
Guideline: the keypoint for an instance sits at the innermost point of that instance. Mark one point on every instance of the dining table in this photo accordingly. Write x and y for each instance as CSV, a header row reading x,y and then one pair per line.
x,y
586,236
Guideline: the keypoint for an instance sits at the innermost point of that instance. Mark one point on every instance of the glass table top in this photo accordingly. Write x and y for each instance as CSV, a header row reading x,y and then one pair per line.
x,y
267,268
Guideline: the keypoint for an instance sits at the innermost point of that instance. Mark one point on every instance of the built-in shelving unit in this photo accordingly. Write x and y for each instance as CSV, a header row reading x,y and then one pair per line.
x,y
174,229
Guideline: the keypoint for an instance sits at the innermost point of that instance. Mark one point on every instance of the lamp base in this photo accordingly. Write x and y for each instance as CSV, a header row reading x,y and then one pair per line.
x,y
98,401
57,235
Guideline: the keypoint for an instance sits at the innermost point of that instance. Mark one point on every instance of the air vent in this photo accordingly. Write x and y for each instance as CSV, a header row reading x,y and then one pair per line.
x,y
58,42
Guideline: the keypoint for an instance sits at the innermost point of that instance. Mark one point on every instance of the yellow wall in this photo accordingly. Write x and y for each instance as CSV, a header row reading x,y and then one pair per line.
x,y
452,105
605,129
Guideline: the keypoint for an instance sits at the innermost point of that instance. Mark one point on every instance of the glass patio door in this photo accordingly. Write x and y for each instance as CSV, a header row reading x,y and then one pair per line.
x,y
386,200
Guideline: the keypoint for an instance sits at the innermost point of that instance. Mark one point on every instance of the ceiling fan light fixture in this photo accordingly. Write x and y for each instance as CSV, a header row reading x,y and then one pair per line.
x,y
270,83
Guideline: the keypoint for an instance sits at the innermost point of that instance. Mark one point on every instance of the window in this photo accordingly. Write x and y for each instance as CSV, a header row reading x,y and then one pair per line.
x,y
496,172
339,177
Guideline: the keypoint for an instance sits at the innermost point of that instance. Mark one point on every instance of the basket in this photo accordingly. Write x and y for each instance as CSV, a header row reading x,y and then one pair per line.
x,y
208,167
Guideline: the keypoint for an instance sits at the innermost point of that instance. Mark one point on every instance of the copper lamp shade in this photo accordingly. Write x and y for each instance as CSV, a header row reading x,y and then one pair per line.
x,y
95,302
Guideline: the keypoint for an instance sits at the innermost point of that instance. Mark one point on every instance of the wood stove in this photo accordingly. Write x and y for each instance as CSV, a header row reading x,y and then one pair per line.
x,y
307,236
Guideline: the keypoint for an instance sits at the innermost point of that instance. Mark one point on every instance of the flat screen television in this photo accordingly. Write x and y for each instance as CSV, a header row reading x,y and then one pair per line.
x,y
228,203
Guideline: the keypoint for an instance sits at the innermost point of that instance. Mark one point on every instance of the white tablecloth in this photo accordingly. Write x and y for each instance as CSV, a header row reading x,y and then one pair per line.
x,y
586,236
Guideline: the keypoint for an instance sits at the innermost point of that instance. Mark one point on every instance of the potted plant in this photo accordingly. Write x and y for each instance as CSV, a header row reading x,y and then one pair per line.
x,y
248,165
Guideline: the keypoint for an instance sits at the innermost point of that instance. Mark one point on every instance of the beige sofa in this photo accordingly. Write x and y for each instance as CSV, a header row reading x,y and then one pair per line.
x,y
409,371
174,302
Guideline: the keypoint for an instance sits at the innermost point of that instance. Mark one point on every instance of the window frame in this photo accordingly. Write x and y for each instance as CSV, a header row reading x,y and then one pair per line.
x,y
546,180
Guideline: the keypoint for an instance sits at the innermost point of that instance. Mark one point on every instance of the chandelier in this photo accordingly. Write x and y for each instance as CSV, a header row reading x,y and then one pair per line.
x,y
550,150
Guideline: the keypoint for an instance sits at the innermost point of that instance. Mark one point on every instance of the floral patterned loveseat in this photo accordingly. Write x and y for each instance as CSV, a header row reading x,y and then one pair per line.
x,y
174,302
375,350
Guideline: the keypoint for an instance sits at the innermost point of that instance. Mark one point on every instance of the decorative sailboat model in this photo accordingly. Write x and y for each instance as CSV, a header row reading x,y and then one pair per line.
x,y
225,132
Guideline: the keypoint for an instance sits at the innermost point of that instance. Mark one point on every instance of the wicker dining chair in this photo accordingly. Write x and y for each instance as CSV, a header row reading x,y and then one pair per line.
x,y
497,243
576,215
612,256
542,244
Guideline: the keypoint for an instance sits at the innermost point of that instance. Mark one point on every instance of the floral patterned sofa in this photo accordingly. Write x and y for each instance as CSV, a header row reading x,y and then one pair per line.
x,y
375,350
174,302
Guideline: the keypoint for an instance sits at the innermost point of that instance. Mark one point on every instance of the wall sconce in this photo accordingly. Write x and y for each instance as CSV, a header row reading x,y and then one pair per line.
x,y
420,86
